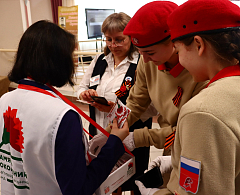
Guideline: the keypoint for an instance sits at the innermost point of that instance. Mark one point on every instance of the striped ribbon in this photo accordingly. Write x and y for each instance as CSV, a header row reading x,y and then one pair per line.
x,y
126,86
169,140
177,98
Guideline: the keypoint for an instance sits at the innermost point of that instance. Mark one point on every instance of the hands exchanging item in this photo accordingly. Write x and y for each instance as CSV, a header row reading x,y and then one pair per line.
x,y
102,107
99,140
163,162
121,133
165,165
144,190
88,96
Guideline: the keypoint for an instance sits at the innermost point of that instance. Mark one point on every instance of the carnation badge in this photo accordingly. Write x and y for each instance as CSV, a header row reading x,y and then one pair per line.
x,y
126,86
11,150
12,132
130,168
106,190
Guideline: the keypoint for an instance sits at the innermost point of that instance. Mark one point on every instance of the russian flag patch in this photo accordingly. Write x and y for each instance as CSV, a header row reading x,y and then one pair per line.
x,y
189,174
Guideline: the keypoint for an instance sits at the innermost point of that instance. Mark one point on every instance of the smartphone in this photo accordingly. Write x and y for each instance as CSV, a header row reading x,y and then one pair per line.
x,y
100,100
152,178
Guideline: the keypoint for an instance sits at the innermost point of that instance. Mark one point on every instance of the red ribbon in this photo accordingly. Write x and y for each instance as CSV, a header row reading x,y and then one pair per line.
x,y
32,88
84,115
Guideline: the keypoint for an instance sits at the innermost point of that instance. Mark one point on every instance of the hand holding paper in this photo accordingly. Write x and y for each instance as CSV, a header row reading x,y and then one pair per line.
x,y
121,133
119,111
103,108
86,95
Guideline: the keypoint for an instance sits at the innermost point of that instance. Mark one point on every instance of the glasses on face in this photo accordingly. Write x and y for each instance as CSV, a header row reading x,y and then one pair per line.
x,y
117,42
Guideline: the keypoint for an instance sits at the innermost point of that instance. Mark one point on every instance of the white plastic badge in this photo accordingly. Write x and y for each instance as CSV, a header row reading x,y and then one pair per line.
x,y
94,80
128,78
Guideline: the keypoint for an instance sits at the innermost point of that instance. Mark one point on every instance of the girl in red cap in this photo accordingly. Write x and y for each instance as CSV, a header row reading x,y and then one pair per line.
x,y
206,152
160,77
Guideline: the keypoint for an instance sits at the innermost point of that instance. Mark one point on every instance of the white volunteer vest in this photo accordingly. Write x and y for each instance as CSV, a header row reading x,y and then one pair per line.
x,y
27,164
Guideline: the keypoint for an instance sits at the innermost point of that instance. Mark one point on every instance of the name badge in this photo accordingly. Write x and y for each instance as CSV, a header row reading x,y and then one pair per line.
x,y
94,80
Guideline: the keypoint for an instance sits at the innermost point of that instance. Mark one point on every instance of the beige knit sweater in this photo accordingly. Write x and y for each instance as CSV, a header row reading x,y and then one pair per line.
x,y
159,87
209,131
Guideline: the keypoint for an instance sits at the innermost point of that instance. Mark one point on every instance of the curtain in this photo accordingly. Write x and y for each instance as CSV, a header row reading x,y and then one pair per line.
x,y
55,4
68,3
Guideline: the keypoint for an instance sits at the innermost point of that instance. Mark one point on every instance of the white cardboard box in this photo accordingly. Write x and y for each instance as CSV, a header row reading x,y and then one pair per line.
x,y
118,177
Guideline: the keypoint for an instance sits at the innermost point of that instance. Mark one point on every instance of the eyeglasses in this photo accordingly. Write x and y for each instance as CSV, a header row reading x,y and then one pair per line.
x,y
117,42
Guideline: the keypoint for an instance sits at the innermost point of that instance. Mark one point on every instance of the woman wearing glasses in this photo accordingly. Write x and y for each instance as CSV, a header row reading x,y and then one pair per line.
x,y
107,75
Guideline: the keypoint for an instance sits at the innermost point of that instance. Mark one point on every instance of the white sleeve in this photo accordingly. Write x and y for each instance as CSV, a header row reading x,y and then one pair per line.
x,y
84,84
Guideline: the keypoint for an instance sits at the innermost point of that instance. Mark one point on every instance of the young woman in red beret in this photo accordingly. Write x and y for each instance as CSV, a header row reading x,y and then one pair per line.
x,y
206,152
160,77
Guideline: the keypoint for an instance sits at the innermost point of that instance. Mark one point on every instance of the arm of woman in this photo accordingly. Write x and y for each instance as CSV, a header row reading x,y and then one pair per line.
x,y
102,107
72,173
84,84
138,99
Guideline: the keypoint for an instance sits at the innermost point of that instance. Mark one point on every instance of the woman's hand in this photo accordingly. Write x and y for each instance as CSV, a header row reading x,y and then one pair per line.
x,y
121,133
144,190
86,95
102,107
163,162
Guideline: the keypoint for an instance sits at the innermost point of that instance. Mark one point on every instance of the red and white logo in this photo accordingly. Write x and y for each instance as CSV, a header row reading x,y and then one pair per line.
x,y
189,175
135,41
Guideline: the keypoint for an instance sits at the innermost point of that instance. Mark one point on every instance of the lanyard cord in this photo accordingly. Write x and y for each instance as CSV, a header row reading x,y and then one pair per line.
x,y
79,110
83,114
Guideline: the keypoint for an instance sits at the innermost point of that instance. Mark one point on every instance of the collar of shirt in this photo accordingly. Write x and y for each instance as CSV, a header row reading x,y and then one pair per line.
x,y
226,72
110,60
33,83
175,71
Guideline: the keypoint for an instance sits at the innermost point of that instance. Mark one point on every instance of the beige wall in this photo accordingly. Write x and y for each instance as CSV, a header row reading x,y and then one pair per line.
x,y
41,10
11,27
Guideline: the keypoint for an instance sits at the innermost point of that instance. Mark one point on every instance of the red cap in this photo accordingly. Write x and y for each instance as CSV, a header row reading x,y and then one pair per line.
x,y
149,24
203,16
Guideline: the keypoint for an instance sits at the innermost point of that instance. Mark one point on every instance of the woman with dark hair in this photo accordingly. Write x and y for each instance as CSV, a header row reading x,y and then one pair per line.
x,y
43,142
112,75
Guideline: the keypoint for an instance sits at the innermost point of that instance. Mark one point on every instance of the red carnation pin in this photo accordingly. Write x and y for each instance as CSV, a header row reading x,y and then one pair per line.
x,y
123,88
120,109
12,132
130,165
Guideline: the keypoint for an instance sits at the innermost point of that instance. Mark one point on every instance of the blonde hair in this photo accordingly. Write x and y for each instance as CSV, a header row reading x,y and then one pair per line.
x,y
117,22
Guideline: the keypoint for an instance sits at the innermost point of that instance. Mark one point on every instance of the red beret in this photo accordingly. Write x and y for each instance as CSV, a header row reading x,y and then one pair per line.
x,y
149,26
203,16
